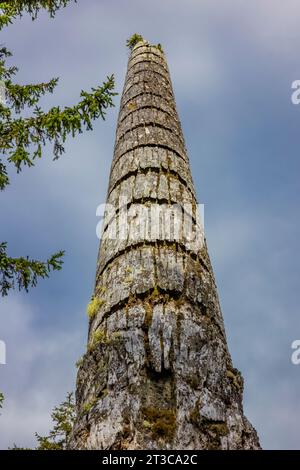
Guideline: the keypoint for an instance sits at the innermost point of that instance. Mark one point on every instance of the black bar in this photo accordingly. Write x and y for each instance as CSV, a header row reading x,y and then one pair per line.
x,y
142,458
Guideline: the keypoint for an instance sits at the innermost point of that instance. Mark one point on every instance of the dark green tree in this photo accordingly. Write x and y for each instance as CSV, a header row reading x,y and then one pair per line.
x,y
22,138
63,417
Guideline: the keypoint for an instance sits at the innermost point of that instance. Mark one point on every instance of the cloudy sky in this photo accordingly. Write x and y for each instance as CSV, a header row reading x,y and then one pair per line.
x,y
232,64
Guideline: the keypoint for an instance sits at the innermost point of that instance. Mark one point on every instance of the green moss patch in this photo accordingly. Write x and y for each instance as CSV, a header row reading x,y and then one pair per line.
x,y
160,421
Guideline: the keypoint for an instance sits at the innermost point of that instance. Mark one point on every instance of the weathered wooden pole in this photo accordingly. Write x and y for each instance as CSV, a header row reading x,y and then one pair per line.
x,y
157,373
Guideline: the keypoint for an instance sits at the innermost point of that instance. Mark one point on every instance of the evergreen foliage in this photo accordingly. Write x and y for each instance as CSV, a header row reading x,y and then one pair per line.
x,y
24,272
22,138
63,417
133,40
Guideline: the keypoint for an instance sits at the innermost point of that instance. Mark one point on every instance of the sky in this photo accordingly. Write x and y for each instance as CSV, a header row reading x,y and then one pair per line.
x,y
232,65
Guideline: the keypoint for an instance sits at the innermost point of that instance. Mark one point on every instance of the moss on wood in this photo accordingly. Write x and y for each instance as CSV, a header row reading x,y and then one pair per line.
x,y
160,421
